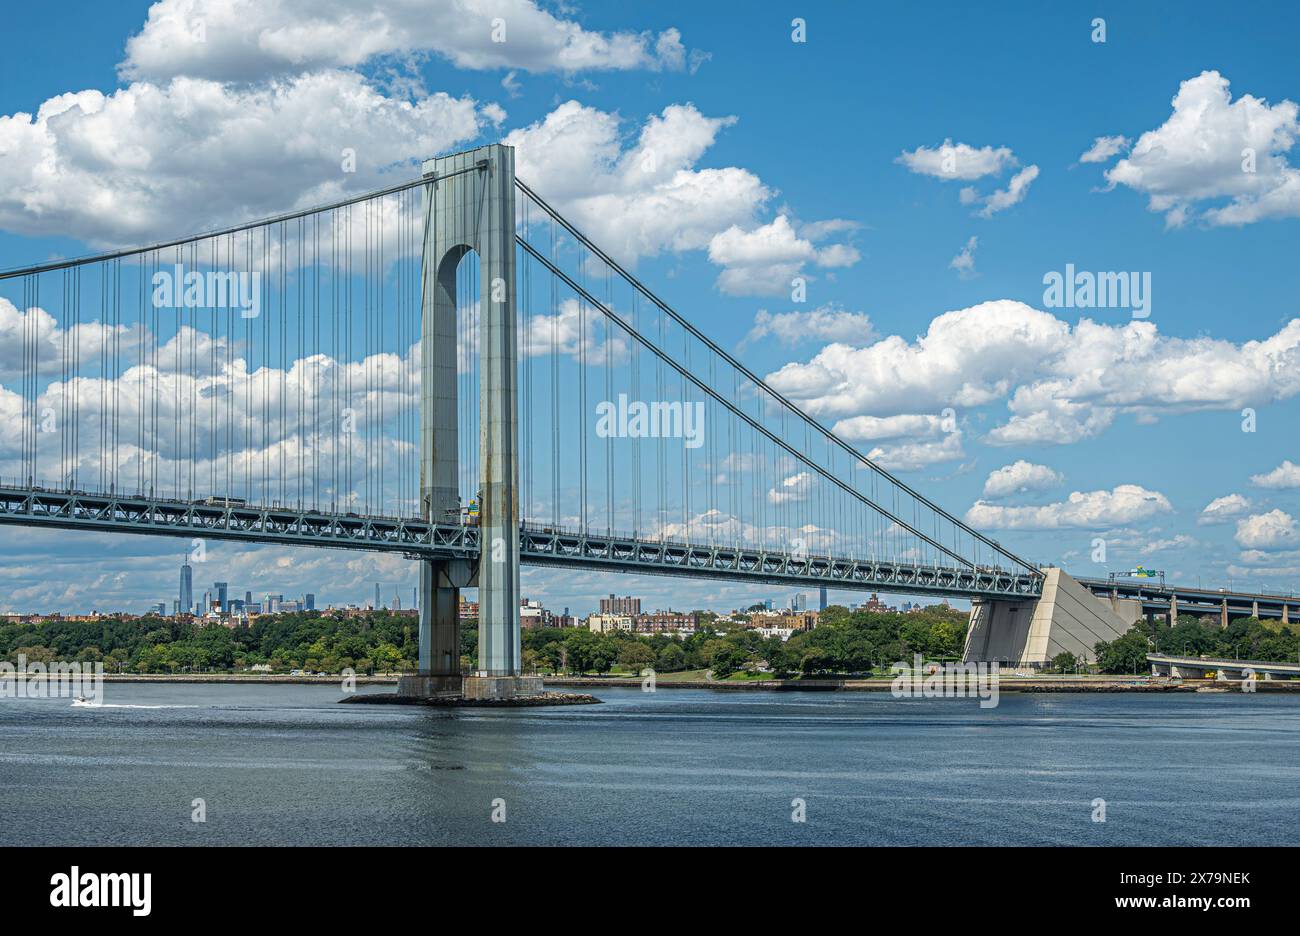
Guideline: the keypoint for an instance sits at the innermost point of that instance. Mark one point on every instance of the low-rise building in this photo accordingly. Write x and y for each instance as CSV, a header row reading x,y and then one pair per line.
x,y
533,615
607,623
787,619
666,622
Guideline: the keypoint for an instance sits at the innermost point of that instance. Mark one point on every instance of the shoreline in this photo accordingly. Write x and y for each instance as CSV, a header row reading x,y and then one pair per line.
x,y
1092,684
1046,684
253,678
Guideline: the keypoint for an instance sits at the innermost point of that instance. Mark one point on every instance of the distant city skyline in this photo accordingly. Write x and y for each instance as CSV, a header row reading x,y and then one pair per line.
x,y
386,595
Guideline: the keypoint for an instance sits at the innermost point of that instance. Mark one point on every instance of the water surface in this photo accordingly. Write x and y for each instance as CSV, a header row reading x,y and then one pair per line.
x,y
286,764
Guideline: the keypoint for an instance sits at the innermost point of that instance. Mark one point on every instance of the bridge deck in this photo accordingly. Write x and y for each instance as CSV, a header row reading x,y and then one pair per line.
x,y
539,544
1259,666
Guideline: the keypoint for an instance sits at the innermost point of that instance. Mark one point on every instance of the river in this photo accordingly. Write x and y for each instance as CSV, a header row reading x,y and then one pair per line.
x,y
286,764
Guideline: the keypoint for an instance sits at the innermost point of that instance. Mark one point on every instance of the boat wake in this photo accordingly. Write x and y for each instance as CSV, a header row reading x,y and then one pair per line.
x,y
84,703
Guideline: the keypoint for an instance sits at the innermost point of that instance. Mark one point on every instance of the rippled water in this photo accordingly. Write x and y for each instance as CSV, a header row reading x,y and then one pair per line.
x,y
282,764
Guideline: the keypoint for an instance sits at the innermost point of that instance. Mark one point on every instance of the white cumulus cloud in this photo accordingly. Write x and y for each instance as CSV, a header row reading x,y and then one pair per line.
x,y
246,40
1285,475
1061,382
909,441
1223,509
1273,530
1229,155
967,163
150,160
964,262
1013,194
647,198
1020,477
960,161
1093,510
911,456
824,323
1104,148
765,260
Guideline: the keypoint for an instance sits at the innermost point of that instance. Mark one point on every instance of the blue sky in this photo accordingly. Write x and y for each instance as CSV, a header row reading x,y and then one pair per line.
x,y
1127,428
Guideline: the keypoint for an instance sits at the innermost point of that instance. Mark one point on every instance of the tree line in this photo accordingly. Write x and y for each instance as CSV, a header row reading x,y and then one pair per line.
x,y
378,641
844,643
1245,638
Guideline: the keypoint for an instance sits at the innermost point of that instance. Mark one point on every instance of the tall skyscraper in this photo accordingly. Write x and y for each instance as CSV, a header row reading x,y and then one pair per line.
x,y
821,605
221,588
309,602
187,588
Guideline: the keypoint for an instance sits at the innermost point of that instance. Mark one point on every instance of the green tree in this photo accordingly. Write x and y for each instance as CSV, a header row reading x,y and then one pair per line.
x,y
946,638
636,656
780,660
814,661
34,654
727,660
1126,654
711,648
387,658
834,616
1065,662
672,658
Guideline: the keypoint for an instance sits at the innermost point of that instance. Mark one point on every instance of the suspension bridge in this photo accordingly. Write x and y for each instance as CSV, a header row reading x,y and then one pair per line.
x,y
447,369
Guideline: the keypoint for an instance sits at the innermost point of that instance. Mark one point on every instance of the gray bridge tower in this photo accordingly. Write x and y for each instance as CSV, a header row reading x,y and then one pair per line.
x,y
469,205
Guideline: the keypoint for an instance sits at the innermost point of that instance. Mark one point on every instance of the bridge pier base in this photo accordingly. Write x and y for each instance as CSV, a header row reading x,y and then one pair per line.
x,y
429,687
500,688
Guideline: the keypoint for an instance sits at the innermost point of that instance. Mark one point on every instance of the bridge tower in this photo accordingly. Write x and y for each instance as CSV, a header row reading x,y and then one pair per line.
x,y
469,205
